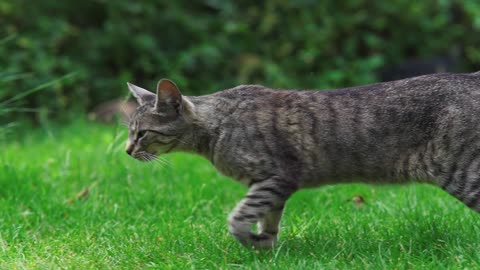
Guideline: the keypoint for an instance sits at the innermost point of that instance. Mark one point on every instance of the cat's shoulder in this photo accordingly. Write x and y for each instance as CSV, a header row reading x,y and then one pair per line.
x,y
244,90
247,88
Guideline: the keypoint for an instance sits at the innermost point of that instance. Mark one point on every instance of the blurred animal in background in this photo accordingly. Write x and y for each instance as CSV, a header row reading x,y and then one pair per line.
x,y
110,111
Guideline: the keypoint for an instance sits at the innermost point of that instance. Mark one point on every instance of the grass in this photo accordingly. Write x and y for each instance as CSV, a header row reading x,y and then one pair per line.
x,y
141,216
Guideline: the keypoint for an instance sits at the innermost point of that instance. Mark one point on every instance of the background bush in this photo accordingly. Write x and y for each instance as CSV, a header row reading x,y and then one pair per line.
x,y
215,44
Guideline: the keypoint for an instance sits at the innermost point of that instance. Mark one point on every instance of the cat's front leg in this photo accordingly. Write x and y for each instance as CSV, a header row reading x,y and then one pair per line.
x,y
263,203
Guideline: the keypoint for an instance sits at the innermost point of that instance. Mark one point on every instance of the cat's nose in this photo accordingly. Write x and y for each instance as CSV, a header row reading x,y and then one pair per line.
x,y
129,149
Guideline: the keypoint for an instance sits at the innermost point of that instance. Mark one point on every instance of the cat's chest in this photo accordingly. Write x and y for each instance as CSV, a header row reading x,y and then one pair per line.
x,y
234,168
232,171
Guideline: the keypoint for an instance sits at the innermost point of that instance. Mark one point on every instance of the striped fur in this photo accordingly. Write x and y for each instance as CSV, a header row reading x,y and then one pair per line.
x,y
424,129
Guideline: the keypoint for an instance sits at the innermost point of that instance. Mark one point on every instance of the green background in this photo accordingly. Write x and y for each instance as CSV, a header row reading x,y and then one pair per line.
x,y
206,46
70,198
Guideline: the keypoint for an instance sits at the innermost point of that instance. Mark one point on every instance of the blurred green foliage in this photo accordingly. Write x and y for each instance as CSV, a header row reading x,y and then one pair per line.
x,y
210,45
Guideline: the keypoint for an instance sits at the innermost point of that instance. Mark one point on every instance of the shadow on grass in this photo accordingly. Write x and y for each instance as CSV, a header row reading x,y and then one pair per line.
x,y
436,241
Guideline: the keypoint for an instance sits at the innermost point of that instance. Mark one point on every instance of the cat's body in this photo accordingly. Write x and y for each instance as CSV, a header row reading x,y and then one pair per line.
x,y
276,141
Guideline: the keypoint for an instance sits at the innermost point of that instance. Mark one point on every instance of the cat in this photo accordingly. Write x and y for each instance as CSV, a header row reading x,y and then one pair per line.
x,y
424,129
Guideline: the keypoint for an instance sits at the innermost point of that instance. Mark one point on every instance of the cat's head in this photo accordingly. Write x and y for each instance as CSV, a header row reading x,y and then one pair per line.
x,y
159,122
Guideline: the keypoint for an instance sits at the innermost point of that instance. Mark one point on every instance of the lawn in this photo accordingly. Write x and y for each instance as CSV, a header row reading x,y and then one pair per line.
x,y
71,198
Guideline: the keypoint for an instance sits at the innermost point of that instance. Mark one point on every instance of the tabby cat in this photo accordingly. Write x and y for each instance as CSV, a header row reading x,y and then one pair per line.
x,y
424,129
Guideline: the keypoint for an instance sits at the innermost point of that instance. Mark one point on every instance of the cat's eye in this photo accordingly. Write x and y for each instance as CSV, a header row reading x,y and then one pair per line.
x,y
141,133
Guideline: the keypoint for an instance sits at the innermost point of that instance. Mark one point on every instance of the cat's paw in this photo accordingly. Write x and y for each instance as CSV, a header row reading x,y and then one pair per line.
x,y
260,241
263,240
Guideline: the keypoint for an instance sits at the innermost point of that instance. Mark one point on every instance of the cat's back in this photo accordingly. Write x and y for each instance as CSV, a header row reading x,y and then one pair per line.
x,y
361,130
445,84
411,109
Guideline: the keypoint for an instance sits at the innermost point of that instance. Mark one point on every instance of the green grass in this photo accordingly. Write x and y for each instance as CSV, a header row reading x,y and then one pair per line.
x,y
141,216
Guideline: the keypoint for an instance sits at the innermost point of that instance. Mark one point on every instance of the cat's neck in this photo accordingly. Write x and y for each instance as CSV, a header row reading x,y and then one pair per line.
x,y
201,136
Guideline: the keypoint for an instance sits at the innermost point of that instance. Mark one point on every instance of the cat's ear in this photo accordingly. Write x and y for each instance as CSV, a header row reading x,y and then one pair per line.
x,y
170,99
142,95
168,95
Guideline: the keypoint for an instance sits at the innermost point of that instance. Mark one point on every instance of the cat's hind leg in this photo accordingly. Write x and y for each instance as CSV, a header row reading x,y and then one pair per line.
x,y
263,203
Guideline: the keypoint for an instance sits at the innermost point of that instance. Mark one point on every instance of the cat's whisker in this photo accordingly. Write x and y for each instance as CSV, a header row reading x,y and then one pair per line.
x,y
157,160
143,156
138,155
164,161
160,160
155,163
159,163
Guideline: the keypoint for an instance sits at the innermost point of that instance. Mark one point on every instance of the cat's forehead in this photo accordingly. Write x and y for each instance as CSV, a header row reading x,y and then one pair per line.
x,y
146,116
136,117
149,110
143,109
